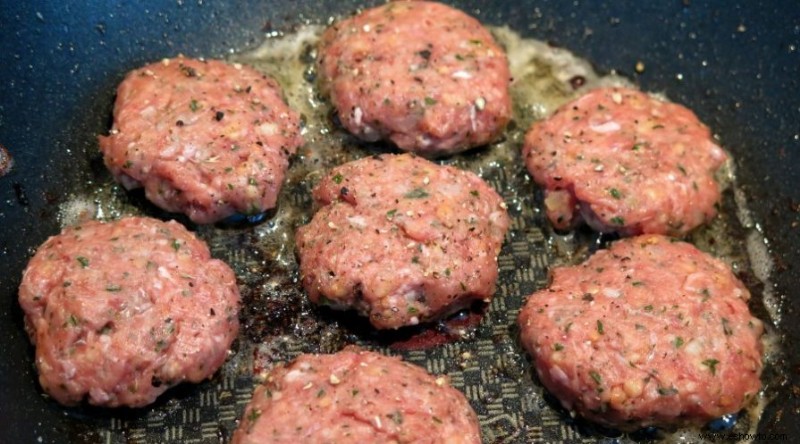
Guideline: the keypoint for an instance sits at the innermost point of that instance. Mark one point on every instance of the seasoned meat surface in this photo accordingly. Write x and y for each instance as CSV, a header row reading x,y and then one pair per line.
x,y
651,331
203,137
356,397
625,162
423,75
121,311
401,239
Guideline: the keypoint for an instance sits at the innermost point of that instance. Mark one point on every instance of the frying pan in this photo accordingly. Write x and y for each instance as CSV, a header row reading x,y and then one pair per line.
x,y
735,63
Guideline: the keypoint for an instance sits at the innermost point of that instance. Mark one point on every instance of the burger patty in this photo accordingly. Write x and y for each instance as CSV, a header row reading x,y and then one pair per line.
x,y
426,76
627,162
202,137
356,397
651,332
402,240
121,311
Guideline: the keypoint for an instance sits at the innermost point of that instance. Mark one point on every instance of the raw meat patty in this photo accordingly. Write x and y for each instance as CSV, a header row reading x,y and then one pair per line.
x,y
356,397
121,311
627,162
649,332
202,137
424,75
402,240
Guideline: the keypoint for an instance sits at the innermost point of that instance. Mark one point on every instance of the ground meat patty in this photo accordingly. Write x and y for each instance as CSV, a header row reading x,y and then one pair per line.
x,y
402,240
424,75
649,332
625,162
356,397
202,137
121,311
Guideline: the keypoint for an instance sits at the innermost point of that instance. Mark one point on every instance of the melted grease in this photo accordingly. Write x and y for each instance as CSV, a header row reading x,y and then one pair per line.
x,y
278,321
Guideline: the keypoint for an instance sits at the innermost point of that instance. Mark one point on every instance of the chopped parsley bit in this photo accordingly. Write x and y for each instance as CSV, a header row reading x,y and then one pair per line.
x,y
252,181
474,193
127,164
596,377
228,169
253,415
193,105
567,327
436,420
354,392
658,126
321,393
176,245
390,214
235,147
396,417
412,310
161,345
113,288
637,283
387,101
678,342
106,330
416,193
338,178
447,272
648,308
230,186
682,169
615,193
667,391
415,260
430,101
476,42
72,320
83,261
712,365
463,286
558,347
600,327
726,327
616,220
637,147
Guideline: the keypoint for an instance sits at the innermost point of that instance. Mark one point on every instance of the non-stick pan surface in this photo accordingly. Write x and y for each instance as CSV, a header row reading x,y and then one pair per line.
x,y
737,64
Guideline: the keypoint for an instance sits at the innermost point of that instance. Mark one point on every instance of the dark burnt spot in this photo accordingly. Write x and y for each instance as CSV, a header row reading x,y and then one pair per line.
x,y
20,194
218,116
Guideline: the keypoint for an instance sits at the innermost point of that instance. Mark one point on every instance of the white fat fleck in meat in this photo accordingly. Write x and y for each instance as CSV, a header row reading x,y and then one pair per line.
x,y
358,114
607,127
461,74
358,222
612,292
268,129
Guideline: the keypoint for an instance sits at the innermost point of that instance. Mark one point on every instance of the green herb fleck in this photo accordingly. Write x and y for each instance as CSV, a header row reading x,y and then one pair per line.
x,y
396,417
648,308
390,214
663,391
253,415
712,365
127,164
678,342
412,310
415,260
615,193
558,347
436,420
193,105
321,393
430,101
252,181
617,220
474,193
338,178
113,288
230,186
161,345
600,327
637,283
416,193
476,42
682,169
658,126
637,147
447,272
176,245
726,327
354,392
73,321
596,377
83,261
463,286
